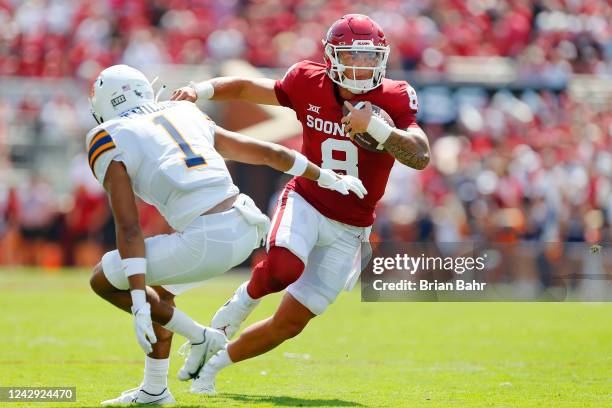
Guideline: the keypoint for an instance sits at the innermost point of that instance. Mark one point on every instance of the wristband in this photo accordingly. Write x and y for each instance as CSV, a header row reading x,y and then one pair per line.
x,y
379,129
204,90
139,299
299,164
134,266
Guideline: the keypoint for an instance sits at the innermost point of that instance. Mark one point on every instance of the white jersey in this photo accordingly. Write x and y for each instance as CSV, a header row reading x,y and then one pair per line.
x,y
168,151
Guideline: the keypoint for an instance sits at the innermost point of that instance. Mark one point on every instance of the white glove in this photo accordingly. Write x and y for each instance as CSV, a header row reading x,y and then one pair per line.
x,y
342,184
144,328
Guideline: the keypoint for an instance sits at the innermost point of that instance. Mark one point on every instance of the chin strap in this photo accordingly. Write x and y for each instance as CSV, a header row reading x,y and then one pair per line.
x,y
160,90
98,121
357,86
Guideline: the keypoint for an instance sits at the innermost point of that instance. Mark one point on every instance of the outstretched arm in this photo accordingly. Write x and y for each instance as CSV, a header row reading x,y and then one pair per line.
x,y
256,90
244,149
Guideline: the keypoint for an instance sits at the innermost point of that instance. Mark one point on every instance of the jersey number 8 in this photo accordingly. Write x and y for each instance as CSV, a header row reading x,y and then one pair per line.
x,y
351,156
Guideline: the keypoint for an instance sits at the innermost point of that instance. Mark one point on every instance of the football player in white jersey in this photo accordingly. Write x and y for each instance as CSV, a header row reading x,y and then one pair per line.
x,y
171,155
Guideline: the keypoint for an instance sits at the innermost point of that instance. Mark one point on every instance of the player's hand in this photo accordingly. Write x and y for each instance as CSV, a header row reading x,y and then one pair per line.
x,y
355,185
357,120
186,93
144,328
342,184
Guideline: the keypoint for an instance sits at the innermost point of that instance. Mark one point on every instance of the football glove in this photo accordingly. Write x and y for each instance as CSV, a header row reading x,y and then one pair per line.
x,y
341,183
144,328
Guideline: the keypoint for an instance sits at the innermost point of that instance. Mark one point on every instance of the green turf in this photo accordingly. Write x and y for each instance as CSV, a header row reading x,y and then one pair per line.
x,y
55,332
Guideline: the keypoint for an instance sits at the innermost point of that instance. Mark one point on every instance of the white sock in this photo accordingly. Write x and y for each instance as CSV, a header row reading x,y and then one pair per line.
x,y
185,326
155,375
243,295
218,362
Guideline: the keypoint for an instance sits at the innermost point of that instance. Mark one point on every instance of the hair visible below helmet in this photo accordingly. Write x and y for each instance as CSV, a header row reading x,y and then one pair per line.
x,y
355,33
117,89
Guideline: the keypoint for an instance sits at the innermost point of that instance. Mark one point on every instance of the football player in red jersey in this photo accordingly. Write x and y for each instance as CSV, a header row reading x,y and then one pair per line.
x,y
315,240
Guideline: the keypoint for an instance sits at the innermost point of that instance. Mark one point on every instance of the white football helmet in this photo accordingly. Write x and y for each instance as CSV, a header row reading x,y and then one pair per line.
x,y
117,89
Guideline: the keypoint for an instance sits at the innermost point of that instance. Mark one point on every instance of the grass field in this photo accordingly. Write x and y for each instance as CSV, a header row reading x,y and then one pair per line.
x,y
55,332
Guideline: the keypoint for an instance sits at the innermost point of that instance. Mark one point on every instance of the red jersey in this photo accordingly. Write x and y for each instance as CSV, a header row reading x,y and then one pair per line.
x,y
308,90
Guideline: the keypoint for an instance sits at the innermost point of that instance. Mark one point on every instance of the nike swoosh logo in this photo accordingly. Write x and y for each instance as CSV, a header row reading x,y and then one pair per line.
x,y
203,358
149,402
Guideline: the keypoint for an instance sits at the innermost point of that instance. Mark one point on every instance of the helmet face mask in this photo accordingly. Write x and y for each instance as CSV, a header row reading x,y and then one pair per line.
x,y
356,53
348,63
118,89
93,100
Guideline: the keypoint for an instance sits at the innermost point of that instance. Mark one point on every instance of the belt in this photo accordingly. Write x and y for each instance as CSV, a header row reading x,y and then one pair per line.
x,y
222,206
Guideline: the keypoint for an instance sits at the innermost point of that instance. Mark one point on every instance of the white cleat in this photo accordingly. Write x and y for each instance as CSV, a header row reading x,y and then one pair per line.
x,y
203,384
230,316
140,396
214,340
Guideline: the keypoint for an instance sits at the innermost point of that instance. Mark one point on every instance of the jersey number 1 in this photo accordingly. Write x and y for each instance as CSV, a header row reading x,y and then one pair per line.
x,y
191,158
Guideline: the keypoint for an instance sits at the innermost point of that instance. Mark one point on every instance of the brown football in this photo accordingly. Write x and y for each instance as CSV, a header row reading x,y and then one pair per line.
x,y
364,140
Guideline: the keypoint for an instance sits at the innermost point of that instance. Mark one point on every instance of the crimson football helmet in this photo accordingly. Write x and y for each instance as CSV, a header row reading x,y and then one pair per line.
x,y
356,42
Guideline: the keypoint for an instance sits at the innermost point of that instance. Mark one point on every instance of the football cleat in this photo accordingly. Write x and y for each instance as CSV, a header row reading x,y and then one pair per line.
x,y
199,353
230,316
141,396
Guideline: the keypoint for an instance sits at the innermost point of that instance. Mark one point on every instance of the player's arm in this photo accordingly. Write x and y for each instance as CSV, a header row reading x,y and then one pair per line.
x,y
256,90
409,146
245,149
130,243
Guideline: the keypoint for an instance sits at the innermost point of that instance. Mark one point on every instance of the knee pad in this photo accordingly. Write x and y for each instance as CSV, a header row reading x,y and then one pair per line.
x,y
284,267
280,269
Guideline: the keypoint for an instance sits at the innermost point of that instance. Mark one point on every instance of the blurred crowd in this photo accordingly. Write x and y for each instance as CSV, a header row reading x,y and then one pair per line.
x,y
39,226
506,167
530,164
536,166
54,38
